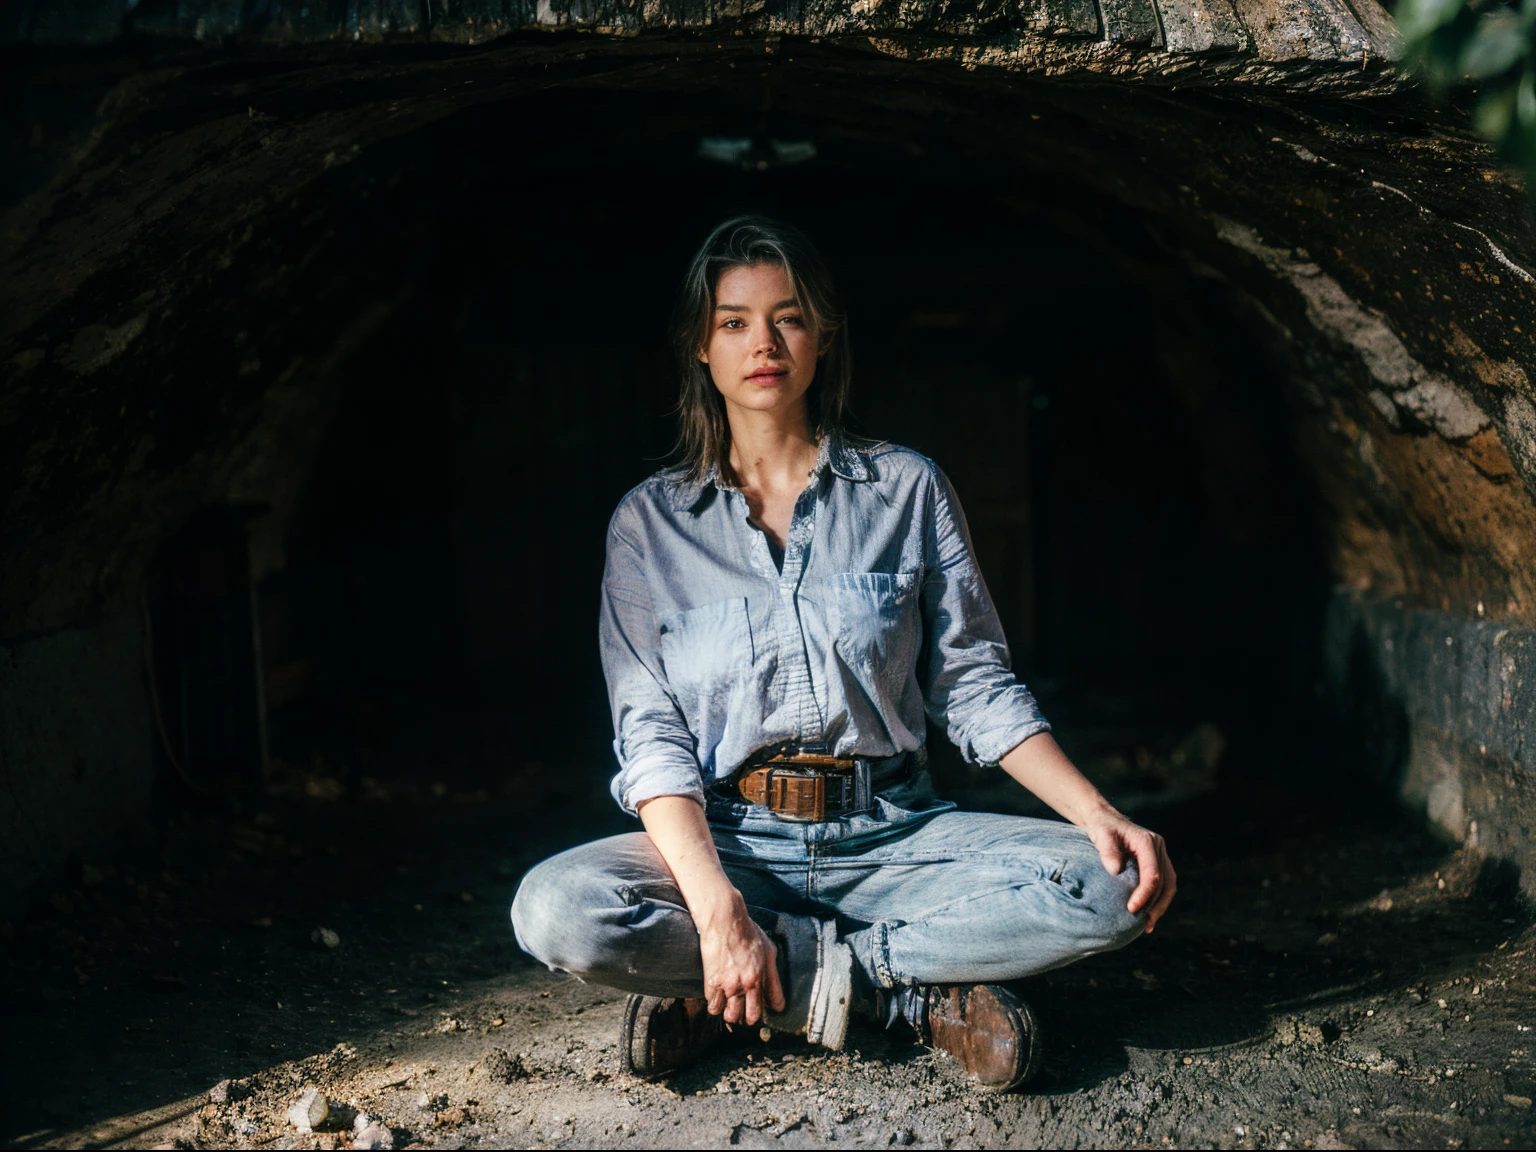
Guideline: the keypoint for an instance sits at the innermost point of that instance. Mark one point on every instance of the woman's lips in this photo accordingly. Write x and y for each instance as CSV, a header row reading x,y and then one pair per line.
x,y
768,375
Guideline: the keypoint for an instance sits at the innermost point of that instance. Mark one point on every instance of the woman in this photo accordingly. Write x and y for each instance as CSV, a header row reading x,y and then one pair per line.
x,y
781,617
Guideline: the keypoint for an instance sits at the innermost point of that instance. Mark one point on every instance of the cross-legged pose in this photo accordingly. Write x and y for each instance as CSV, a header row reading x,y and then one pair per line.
x,y
782,617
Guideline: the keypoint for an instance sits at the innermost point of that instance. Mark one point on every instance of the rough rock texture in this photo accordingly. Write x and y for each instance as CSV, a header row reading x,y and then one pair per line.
x,y
1310,42
1446,708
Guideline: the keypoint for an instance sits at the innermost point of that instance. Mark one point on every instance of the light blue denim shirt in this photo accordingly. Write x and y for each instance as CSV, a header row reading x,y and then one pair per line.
x,y
878,623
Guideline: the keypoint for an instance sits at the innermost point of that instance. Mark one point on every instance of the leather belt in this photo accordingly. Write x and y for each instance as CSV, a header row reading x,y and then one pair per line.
x,y
809,787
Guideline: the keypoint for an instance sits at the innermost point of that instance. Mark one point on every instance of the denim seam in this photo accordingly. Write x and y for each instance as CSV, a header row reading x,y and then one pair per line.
x,y
1005,859
634,894
880,953
983,895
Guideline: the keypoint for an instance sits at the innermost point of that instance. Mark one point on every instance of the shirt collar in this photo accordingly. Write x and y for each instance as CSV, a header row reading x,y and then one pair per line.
x,y
845,461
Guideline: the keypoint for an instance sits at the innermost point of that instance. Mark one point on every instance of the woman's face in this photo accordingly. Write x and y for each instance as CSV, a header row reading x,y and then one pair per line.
x,y
761,349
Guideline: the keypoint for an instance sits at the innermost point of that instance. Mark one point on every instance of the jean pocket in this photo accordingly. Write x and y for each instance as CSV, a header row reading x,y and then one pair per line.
x,y
706,649
878,627
906,803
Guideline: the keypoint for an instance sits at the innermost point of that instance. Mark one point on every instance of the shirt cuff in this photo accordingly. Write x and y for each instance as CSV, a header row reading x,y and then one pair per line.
x,y
1009,721
657,774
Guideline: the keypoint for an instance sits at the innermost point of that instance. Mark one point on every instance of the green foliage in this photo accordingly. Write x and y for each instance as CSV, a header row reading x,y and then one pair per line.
x,y
1492,44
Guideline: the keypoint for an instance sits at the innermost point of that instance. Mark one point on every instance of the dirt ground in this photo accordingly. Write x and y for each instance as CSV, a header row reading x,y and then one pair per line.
x,y
1328,978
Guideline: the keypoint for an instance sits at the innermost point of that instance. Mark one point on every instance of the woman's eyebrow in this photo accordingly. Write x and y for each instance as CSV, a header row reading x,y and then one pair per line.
x,y
789,303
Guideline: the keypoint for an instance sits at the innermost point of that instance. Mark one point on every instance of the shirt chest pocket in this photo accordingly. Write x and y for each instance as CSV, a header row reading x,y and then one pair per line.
x,y
878,626
705,648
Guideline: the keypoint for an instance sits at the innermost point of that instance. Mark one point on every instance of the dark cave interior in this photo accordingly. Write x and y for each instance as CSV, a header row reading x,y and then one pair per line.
x,y
1121,451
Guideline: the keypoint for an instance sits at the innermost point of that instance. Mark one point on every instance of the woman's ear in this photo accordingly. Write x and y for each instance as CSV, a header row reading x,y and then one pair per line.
x,y
703,354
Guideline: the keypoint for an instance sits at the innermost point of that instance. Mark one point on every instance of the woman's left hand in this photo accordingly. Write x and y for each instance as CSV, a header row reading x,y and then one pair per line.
x,y
1117,839
1040,765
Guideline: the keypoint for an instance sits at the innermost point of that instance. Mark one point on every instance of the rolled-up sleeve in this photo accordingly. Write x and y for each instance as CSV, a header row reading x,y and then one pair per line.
x,y
656,752
970,688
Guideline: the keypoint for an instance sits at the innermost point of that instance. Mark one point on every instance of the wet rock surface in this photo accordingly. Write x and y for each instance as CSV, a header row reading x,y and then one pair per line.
x,y
1328,978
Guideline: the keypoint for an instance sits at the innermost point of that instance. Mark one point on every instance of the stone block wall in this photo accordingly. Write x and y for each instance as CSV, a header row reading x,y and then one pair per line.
x,y
1443,708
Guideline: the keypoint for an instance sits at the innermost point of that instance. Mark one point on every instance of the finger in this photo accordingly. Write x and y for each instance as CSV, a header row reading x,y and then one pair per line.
x,y
775,988
733,1010
1165,897
753,1007
714,1000
1111,854
1149,873
1160,907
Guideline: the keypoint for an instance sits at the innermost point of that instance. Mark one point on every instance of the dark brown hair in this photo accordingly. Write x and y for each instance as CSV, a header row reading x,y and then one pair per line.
x,y
704,436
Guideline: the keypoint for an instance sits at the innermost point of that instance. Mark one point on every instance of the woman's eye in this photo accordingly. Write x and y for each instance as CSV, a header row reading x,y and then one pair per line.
x,y
795,320
733,323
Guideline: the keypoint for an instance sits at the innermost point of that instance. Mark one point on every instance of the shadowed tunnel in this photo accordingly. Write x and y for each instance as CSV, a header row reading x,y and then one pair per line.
x,y
326,365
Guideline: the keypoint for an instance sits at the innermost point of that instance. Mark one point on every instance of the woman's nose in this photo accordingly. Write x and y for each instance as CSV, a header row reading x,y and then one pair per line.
x,y
767,340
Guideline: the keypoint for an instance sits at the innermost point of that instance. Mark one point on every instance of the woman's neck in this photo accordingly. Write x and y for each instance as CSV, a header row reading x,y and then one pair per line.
x,y
771,451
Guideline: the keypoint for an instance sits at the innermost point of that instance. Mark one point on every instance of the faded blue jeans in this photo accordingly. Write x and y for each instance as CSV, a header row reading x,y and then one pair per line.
x,y
922,893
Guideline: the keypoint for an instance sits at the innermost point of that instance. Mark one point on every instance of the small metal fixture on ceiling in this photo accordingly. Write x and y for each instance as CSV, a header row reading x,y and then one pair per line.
x,y
755,154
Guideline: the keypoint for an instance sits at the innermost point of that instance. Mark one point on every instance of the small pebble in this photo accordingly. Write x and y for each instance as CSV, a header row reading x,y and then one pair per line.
x,y
309,1110
325,938
369,1133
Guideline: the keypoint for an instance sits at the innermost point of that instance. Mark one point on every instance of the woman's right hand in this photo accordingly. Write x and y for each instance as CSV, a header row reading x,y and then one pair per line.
x,y
741,972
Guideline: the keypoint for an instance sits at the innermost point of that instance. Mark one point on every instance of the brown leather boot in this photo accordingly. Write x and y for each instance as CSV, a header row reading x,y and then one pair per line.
x,y
986,1027
662,1035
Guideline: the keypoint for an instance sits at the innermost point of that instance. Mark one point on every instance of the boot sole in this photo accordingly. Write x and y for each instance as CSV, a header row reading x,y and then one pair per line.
x,y
1030,1028
635,1036
1025,1026
632,1008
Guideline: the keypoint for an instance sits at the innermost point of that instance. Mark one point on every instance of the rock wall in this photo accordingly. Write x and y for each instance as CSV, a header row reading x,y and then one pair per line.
x,y
1443,710
1347,44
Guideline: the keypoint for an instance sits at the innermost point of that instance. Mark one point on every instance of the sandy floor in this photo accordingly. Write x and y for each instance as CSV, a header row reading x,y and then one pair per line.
x,y
1323,982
